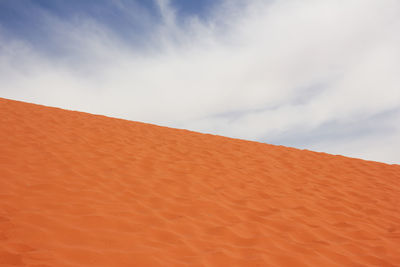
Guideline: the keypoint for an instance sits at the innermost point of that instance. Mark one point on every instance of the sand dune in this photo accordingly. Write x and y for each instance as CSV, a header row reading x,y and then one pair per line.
x,y
83,190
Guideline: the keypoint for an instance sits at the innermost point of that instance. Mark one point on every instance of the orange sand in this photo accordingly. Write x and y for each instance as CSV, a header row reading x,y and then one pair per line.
x,y
83,190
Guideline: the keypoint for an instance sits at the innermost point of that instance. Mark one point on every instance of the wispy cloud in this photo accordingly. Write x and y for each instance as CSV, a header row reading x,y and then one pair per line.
x,y
322,75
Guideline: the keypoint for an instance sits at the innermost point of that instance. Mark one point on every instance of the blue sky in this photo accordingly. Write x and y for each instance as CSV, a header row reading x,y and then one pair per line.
x,y
319,75
130,20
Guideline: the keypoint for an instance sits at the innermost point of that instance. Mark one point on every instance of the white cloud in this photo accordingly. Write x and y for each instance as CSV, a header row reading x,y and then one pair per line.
x,y
256,71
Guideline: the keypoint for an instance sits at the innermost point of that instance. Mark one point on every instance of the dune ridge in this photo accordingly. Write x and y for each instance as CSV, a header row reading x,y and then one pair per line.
x,y
86,190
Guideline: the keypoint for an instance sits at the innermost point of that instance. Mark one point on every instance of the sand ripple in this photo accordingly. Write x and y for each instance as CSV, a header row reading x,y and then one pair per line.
x,y
84,190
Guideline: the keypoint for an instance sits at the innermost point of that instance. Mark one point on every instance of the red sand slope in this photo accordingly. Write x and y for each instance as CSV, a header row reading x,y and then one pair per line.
x,y
84,190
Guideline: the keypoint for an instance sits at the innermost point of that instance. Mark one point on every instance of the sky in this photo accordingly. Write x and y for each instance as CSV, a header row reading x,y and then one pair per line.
x,y
316,75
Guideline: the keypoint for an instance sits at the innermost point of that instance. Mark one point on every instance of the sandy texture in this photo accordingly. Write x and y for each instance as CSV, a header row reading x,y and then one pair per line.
x,y
84,190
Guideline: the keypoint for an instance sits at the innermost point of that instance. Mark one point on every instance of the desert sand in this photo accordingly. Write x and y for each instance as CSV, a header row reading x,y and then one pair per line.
x,y
86,190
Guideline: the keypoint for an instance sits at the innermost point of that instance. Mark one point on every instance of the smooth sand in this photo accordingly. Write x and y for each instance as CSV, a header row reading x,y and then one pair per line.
x,y
83,190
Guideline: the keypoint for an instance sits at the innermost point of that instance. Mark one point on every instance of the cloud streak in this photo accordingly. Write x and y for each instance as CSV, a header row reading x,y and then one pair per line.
x,y
316,75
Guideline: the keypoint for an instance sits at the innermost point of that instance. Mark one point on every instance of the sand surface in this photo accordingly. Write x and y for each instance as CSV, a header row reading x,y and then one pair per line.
x,y
83,190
